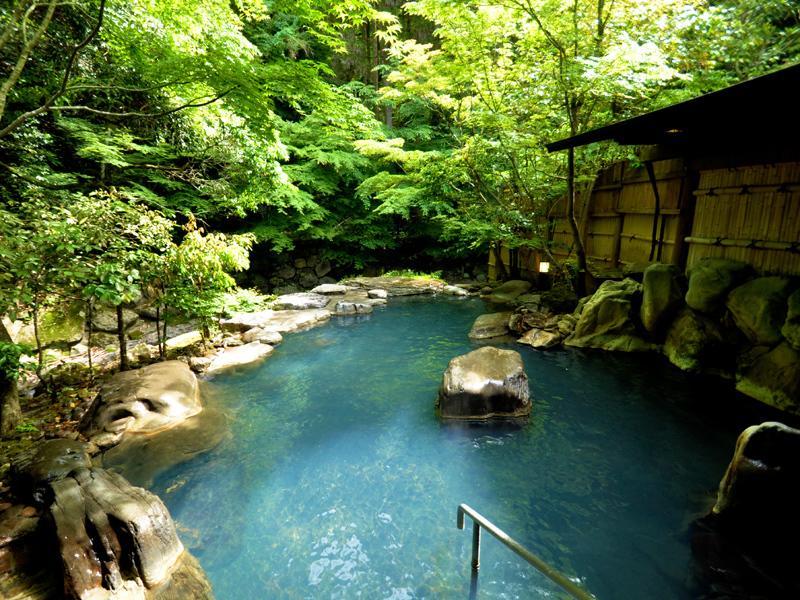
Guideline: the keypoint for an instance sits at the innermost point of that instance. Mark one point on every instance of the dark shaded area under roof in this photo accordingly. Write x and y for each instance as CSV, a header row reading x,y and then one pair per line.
x,y
761,111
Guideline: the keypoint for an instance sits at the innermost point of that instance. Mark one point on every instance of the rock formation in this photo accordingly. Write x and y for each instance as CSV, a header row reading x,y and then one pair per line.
x,y
489,326
486,383
144,401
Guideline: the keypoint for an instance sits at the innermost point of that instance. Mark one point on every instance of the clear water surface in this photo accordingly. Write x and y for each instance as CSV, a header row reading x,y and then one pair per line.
x,y
340,482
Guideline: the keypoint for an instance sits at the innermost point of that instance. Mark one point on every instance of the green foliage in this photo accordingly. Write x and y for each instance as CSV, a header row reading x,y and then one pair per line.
x,y
10,364
27,427
411,274
245,300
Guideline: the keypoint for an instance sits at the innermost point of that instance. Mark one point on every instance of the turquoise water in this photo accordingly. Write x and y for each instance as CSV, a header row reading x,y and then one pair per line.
x,y
339,481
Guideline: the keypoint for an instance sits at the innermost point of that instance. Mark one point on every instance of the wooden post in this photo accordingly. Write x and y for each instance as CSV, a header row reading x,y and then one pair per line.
x,y
686,206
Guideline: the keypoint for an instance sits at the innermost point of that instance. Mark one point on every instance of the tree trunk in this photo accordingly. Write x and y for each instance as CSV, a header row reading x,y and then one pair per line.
x,y
123,344
580,251
10,412
90,330
39,349
499,265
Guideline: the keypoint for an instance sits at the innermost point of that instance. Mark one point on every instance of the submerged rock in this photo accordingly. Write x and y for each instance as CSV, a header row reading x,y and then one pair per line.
x,y
774,378
490,326
144,401
663,290
239,356
711,279
607,319
487,382
541,339
508,292
301,301
759,308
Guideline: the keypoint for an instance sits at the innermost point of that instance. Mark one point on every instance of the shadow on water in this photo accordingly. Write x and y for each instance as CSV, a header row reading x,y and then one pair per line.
x,y
339,481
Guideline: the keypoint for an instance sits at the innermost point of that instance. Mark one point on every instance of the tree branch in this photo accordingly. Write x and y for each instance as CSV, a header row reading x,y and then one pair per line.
x,y
106,113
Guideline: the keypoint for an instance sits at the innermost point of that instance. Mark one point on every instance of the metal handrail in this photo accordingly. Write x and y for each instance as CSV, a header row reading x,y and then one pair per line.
x,y
479,521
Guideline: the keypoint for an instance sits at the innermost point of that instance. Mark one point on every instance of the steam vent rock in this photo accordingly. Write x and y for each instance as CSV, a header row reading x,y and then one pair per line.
x,y
486,383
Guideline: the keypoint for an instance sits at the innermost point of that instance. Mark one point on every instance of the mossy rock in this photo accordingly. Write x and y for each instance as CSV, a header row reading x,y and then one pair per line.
x,y
60,326
711,279
791,327
697,343
774,378
663,290
759,308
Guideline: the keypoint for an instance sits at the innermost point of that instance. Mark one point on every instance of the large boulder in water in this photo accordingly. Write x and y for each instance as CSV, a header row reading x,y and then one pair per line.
x,y
487,382
607,320
774,378
663,289
711,279
697,343
144,401
489,326
759,308
756,517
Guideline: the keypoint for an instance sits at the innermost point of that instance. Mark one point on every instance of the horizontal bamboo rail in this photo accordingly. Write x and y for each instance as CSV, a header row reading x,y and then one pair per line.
x,y
738,243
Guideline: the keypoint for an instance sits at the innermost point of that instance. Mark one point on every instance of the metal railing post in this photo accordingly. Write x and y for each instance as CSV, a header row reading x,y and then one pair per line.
x,y
476,545
551,573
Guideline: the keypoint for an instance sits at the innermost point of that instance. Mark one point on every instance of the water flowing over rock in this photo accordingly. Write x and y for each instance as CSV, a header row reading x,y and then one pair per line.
x,y
487,382
759,308
282,321
239,356
147,400
607,319
791,327
508,292
711,279
774,378
301,301
663,290
490,326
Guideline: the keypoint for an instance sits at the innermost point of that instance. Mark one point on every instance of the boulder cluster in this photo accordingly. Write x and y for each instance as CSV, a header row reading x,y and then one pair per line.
x,y
720,318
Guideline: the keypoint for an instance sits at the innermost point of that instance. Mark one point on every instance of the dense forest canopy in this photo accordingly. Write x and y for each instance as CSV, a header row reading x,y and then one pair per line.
x,y
146,146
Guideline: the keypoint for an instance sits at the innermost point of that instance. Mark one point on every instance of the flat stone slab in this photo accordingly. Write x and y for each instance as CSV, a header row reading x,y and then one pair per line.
x,y
331,289
490,326
486,383
239,356
399,286
301,301
282,321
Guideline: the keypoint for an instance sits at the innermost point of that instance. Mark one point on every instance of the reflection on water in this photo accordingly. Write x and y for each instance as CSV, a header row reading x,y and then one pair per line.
x,y
339,482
